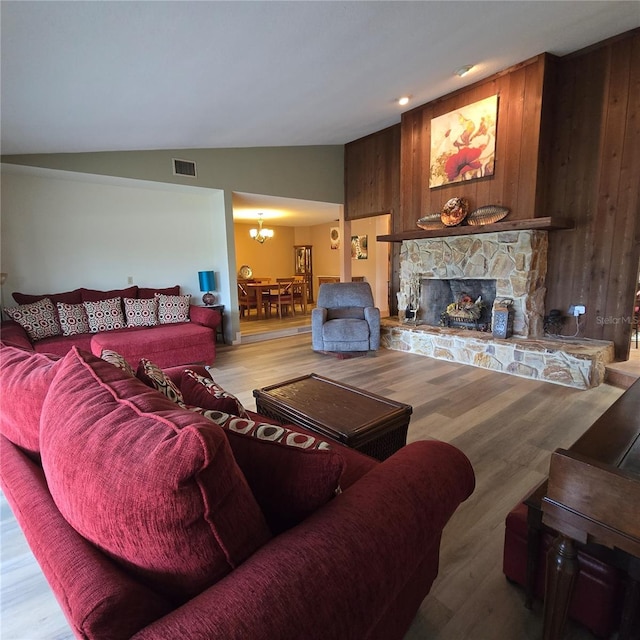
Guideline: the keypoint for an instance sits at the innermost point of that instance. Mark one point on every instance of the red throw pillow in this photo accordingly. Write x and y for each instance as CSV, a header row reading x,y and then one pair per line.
x,y
68,297
199,391
291,474
25,377
147,292
94,295
152,485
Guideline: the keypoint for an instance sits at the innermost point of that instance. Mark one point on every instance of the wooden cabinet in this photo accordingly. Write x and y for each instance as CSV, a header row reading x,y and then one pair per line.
x,y
304,266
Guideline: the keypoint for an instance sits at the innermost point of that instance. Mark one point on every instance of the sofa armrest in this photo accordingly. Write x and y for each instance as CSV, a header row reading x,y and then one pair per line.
x,y
372,316
97,598
318,318
345,569
205,316
13,334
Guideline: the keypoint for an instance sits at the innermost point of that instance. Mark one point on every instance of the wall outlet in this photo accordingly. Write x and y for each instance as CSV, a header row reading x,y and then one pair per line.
x,y
129,279
577,310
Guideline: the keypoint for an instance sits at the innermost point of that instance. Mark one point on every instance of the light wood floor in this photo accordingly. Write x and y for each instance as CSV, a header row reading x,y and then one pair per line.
x,y
507,426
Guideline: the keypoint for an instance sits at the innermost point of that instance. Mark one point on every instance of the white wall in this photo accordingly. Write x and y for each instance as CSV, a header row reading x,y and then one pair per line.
x,y
61,230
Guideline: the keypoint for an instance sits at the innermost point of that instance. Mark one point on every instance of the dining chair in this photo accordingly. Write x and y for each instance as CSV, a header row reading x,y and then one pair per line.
x,y
298,290
284,297
246,299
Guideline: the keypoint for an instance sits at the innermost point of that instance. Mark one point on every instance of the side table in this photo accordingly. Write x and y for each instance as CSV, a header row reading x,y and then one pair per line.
x,y
220,329
596,554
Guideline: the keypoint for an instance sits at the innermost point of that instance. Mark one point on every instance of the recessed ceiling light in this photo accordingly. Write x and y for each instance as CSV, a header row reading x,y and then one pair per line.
x,y
462,71
404,100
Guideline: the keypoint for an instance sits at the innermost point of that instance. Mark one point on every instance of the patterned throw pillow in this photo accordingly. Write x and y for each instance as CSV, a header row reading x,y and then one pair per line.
x,y
73,318
199,391
114,358
141,312
38,319
105,315
263,430
153,376
173,309
290,474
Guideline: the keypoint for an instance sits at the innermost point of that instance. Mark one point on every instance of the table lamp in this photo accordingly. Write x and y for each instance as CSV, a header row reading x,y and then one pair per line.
x,y
207,281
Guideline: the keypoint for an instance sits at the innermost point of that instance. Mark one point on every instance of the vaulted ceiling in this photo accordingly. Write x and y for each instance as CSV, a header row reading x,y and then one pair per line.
x,y
104,75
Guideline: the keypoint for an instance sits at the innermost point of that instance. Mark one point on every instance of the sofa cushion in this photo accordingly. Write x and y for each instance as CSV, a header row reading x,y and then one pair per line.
x,y
73,318
173,309
141,312
153,376
25,377
152,485
14,335
167,345
345,312
38,319
105,315
68,297
95,295
291,474
60,345
201,391
148,292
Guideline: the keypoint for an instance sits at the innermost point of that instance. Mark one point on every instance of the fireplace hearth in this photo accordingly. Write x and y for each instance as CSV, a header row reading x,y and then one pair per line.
x,y
516,261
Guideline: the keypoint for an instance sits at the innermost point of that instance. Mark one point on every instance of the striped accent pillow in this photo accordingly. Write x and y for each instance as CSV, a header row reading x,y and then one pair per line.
x,y
153,376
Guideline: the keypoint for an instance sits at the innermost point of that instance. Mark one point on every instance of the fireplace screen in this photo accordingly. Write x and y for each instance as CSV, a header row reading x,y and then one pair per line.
x,y
457,302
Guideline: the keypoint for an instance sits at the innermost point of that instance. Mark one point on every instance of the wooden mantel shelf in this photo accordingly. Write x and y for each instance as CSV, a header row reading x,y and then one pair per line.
x,y
542,224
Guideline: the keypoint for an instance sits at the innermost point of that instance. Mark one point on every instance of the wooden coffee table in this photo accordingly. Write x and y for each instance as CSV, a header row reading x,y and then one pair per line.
x,y
364,421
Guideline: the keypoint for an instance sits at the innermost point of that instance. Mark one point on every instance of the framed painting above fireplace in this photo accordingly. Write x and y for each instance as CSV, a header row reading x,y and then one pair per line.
x,y
463,143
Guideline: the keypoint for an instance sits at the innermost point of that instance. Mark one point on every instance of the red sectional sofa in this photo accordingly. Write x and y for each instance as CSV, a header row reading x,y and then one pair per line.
x,y
166,344
155,520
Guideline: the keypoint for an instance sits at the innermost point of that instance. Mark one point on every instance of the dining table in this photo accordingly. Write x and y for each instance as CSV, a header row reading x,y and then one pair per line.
x,y
272,287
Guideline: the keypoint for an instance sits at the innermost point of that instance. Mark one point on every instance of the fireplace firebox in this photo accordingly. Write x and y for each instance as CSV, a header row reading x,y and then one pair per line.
x,y
440,297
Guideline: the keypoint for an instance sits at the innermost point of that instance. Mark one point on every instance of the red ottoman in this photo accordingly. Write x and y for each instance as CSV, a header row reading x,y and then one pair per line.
x,y
598,591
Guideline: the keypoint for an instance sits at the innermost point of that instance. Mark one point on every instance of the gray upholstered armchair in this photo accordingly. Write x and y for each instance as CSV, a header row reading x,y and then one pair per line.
x,y
345,318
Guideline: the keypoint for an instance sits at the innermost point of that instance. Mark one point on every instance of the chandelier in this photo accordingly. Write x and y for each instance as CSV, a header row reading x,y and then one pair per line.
x,y
260,234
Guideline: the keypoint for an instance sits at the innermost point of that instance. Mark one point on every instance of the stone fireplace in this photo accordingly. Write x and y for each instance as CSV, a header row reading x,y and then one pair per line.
x,y
515,260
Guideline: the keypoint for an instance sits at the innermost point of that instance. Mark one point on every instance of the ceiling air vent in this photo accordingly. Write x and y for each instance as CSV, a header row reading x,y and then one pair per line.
x,y
184,168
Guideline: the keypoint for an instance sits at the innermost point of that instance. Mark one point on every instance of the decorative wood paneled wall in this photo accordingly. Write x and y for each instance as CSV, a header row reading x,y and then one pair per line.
x,y
518,137
567,145
594,178
372,174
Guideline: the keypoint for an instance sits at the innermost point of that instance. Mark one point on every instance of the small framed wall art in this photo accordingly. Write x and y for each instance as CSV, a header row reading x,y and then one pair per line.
x,y
334,234
359,247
